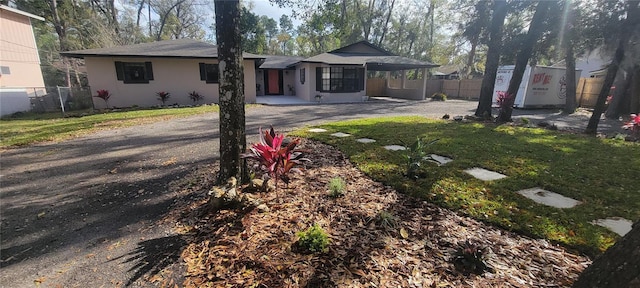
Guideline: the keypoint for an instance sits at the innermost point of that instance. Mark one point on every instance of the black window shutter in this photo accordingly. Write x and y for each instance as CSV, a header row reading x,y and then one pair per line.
x,y
361,79
148,70
119,71
203,72
318,78
216,69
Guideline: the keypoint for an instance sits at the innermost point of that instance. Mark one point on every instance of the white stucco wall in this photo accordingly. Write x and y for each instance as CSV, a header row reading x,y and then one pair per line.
x,y
177,76
308,92
289,78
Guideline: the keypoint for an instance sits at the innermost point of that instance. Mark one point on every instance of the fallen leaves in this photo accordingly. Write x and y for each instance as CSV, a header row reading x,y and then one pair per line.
x,y
251,249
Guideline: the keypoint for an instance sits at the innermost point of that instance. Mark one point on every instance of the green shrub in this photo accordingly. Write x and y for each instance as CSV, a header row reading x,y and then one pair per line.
x,y
415,156
314,239
386,220
337,187
439,96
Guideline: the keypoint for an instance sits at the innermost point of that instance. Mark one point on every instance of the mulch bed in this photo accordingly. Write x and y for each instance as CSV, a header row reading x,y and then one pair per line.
x,y
247,248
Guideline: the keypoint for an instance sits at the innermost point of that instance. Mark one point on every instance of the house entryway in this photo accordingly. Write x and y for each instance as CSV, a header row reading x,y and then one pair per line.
x,y
273,82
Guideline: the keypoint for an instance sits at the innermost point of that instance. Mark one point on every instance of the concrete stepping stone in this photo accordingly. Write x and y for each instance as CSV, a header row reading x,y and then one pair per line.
x,y
548,198
366,140
484,174
395,147
440,160
317,130
340,134
618,225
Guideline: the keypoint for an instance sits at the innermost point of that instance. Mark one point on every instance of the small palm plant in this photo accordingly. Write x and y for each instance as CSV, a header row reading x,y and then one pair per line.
x,y
104,95
163,97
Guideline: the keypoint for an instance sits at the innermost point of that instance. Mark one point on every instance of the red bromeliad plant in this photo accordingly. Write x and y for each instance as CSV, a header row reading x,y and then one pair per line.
x,y
633,125
163,96
505,104
277,160
104,95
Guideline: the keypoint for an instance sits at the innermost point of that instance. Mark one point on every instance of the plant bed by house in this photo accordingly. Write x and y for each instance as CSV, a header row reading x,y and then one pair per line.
x,y
377,237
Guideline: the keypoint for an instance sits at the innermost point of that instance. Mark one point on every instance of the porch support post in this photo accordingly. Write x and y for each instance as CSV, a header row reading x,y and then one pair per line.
x,y
402,79
424,83
387,76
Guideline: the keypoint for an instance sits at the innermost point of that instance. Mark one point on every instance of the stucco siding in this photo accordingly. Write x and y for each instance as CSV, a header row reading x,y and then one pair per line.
x,y
177,76
18,51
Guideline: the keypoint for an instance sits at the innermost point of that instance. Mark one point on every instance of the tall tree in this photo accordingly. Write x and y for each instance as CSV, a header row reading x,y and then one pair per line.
x,y
535,30
493,58
231,90
619,266
631,24
569,56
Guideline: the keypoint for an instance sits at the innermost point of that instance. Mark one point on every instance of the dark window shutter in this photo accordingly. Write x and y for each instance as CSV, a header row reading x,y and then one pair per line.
x,y
148,70
119,71
361,79
203,72
318,78
216,77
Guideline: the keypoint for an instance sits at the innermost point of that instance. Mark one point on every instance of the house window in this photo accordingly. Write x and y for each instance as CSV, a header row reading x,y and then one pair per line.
x,y
5,70
134,72
302,75
209,73
339,79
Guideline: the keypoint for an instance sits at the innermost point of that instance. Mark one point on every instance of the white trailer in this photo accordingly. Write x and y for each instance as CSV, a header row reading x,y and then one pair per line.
x,y
541,86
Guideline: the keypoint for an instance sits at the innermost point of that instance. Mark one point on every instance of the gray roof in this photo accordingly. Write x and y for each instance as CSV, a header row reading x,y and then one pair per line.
x,y
181,48
279,62
375,63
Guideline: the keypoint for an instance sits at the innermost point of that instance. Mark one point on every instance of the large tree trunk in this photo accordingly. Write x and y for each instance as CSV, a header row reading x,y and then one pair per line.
x,y
232,117
570,60
630,23
535,31
619,104
634,107
493,58
619,266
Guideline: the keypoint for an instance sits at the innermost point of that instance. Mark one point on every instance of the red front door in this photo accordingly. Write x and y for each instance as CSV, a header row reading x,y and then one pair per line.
x,y
273,85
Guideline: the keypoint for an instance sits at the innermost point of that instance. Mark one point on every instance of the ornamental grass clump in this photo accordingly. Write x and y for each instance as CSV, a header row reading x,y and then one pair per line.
x,y
276,159
416,154
337,187
314,239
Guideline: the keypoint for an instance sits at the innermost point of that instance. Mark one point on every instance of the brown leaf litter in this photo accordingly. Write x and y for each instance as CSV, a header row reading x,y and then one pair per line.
x,y
413,248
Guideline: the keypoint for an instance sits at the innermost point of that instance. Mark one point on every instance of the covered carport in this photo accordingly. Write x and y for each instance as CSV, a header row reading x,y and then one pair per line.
x,y
400,87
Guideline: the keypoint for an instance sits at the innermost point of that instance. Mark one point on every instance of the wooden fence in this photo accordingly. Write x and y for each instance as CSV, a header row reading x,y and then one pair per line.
x,y
586,91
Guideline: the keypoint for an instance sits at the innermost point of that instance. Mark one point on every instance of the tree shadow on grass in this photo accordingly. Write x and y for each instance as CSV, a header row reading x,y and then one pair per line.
x,y
154,255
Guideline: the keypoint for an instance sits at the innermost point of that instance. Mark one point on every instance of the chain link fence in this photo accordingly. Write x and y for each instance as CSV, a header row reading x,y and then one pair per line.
x,y
65,99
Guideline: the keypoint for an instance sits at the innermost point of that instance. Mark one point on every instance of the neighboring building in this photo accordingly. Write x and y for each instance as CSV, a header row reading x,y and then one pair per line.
x,y
134,73
20,70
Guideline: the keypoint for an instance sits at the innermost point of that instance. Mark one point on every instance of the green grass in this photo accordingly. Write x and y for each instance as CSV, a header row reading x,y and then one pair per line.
x,y
34,128
602,173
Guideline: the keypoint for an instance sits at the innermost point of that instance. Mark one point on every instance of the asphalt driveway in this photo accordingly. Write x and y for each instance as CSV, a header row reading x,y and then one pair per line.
x,y
83,213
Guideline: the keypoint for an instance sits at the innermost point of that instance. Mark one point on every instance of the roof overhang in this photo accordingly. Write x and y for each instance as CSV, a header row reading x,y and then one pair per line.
x,y
14,10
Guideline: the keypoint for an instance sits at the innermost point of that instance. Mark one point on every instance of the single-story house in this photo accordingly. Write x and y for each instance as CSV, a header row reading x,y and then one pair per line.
x,y
134,73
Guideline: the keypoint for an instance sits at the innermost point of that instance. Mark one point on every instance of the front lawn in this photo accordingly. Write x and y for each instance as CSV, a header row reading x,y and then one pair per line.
x,y
33,128
600,173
